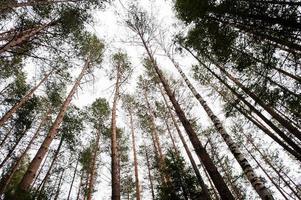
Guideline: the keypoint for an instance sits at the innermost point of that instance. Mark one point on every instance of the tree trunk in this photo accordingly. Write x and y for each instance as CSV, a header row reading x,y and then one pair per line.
x,y
171,137
11,111
23,37
252,108
249,172
200,150
58,190
80,185
266,173
6,136
149,173
194,165
114,144
10,152
35,163
256,99
41,187
73,177
6,180
93,167
137,184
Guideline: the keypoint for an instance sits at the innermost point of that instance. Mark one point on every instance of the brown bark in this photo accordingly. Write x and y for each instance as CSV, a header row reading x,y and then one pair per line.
x,y
93,167
137,184
200,150
6,180
194,165
248,170
35,163
149,173
41,187
73,178
114,144
23,37
11,111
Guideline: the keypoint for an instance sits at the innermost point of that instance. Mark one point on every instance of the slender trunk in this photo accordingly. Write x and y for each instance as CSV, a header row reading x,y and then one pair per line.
x,y
252,108
256,99
194,165
264,157
40,171
200,150
35,163
93,167
10,152
6,136
296,77
8,177
114,144
266,173
20,38
171,137
149,173
58,190
80,185
73,178
249,172
41,187
137,184
11,111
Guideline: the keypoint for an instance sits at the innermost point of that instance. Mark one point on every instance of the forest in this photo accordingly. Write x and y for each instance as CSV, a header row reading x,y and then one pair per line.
x,y
150,99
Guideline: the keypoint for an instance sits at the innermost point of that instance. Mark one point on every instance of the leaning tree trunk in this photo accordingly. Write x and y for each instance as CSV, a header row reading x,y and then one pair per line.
x,y
11,111
267,108
93,167
194,165
137,185
114,144
80,185
200,150
58,190
73,178
23,37
252,108
149,173
6,136
256,182
6,180
35,163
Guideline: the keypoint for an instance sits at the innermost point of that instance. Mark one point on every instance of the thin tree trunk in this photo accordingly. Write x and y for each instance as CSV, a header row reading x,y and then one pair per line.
x,y
171,137
79,186
137,184
114,144
264,157
41,187
194,165
93,167
249,172
73,178
11,111
266,173
6,180
149,173
58,190
40,171
252,108
200,150
267,108
6,136
10,152
35,163
20,38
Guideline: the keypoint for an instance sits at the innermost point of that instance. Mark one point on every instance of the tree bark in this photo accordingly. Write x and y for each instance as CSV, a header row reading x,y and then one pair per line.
x,y
248,170
137,184
6,180
58,190
6,136
80,185
35,163
11,111
149,173
114,144
73,178
200,150
194,165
